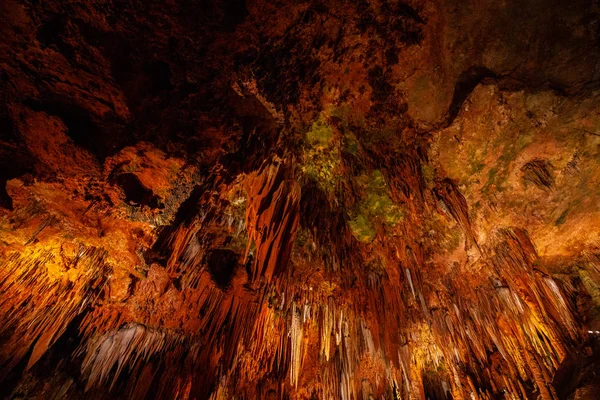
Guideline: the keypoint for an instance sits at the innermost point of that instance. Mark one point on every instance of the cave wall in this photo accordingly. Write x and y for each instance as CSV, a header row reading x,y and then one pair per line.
x,y
299,200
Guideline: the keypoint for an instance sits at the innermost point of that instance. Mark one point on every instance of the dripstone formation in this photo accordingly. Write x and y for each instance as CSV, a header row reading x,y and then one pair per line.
x,y
341,199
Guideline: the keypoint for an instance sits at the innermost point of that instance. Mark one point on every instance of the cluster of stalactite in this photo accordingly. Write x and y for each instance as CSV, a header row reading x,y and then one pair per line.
x,y
297,200
515,328
261,327
37,306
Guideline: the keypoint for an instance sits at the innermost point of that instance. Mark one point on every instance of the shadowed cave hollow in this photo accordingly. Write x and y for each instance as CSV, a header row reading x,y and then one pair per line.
x,y
251,199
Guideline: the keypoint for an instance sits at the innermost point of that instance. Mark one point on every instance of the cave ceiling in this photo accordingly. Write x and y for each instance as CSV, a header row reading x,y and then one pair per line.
x,y
254,199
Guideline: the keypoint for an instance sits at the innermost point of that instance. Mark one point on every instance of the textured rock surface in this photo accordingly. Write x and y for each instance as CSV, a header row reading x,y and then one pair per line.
x,y
299,200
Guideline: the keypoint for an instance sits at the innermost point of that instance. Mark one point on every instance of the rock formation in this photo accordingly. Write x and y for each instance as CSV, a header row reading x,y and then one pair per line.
x,y
343,199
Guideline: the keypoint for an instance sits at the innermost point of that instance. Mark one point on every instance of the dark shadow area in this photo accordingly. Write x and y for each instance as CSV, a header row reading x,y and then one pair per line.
x,y
222,264
136,192
467,81
83,129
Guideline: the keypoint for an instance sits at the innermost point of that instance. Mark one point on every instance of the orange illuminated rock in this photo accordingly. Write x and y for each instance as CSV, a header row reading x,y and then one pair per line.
x,y
299,200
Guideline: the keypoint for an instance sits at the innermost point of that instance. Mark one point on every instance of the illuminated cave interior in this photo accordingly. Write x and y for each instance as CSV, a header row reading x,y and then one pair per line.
x,y
287,200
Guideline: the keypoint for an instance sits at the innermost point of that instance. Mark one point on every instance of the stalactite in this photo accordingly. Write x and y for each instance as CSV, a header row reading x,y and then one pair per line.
x,y
271,219
296,339
42,295
295,201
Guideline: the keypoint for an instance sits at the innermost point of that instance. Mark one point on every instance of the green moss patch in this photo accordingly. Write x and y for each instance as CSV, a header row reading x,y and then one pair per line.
x,y
321,155
378,202
377,206
350,144
320,133
362,228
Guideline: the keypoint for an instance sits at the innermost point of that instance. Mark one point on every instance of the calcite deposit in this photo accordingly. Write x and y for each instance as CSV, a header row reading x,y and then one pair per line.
x,y
338,199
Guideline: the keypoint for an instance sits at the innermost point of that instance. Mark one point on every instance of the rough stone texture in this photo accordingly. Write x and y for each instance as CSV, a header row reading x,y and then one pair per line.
x,y
323,199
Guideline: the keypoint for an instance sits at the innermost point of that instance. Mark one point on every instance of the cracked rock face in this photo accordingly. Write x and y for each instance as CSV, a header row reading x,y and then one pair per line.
x,y
299,200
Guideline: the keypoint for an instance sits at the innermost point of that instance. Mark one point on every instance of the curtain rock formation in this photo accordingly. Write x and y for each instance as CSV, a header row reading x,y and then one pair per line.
x,y
250,199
